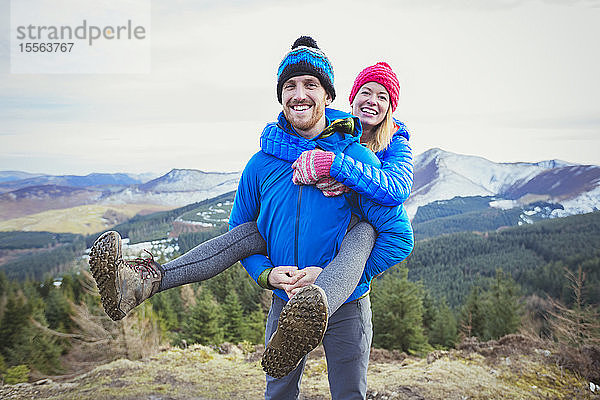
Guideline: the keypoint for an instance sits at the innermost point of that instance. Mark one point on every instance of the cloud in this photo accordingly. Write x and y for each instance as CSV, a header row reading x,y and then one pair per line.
x,y
464,67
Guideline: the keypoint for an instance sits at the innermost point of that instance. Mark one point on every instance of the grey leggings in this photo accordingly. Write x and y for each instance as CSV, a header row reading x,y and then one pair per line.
x,y
208,259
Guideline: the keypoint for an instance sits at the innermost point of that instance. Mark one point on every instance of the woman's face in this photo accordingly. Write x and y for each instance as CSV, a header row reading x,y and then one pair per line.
x,y
371,104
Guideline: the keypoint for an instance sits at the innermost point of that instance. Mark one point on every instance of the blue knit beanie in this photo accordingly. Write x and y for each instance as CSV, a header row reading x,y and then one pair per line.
x,y
306,59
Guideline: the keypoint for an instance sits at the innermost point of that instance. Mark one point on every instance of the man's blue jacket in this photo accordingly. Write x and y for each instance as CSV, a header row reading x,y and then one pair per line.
x,y
304,228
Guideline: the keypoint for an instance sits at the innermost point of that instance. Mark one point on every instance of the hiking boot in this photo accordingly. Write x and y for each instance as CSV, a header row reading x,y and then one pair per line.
x,y
300,329
122,284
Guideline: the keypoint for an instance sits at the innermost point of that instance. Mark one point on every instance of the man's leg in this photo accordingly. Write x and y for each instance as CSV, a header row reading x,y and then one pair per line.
x,y
287,387
125,284
347,344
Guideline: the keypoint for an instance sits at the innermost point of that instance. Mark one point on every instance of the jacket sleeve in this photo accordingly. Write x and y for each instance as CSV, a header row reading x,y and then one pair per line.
x,y
284,146
389,185
245,209
395,238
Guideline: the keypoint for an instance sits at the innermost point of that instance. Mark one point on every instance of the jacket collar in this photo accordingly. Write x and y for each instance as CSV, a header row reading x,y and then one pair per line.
x,y
335,121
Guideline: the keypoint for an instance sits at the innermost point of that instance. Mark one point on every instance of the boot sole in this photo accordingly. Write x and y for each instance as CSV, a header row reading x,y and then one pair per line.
x,y
300,329
104,260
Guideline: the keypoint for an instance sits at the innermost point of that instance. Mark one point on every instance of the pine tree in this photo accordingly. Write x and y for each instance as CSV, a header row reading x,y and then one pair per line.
x,y
4,284
254,328
70,288
14,321
472,318
398,313
23,343
58,311
233,318
203,324
429,313
443,331
169,308
503,307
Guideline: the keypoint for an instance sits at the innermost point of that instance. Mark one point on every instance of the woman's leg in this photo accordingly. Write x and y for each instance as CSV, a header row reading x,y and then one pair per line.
x,y
125,284
214,256
339,279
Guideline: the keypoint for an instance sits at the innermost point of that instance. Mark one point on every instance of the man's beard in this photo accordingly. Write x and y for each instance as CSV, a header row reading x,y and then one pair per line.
x,y
305,124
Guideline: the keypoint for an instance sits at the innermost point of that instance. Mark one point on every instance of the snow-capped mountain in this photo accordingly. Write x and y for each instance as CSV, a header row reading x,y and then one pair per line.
x,y
442,175
188,180
179,187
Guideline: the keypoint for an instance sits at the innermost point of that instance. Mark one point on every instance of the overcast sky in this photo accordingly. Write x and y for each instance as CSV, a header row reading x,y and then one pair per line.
x,y
505,80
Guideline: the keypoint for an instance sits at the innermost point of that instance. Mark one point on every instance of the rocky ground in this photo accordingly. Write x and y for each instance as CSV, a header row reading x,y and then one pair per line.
x,y
514,367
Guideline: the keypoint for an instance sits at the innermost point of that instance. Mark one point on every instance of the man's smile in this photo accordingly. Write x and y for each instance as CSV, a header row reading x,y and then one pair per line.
x,y
300,107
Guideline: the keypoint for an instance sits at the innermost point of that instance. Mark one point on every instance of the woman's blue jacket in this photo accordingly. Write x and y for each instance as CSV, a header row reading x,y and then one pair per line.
x,y
387,182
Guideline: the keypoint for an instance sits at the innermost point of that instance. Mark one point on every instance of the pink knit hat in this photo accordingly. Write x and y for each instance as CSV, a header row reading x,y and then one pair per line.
x,y
381,73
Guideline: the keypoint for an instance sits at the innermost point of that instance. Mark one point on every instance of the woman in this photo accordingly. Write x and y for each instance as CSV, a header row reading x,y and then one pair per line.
x,y
123,285
373,99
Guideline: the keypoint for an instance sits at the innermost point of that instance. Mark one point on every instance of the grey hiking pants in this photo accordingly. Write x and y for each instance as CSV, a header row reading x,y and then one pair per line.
x,y
347,344
208,259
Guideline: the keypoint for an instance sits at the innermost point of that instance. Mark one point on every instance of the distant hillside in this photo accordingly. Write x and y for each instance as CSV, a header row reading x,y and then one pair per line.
x,y
475,214
188,180
33,255
22,256
535,255
7,176
90,180
23,194
35,199
83,219
143,228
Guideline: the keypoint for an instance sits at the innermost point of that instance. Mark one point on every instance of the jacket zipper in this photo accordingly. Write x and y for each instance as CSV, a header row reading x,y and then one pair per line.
x,y
297,233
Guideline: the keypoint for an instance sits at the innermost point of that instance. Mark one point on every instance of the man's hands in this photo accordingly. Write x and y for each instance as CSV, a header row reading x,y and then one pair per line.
x,y
291,279
311,274
284,277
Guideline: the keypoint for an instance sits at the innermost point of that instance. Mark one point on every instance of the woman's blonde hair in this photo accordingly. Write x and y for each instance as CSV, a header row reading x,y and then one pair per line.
x,y
382,137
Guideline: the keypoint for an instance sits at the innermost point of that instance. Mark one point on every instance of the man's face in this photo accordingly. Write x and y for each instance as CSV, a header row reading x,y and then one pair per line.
x,y
304,100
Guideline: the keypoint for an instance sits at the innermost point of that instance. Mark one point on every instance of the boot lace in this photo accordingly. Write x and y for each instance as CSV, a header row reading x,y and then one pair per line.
x,y
144,266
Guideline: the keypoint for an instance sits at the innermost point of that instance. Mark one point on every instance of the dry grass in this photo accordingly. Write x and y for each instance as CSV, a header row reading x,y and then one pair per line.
x,y
513,368
81,219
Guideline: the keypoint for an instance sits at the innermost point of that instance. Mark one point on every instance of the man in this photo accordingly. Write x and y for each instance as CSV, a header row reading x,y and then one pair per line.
x,y
303,230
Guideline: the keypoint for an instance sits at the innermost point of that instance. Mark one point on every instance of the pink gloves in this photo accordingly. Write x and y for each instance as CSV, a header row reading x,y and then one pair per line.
x,y
330,187
312,167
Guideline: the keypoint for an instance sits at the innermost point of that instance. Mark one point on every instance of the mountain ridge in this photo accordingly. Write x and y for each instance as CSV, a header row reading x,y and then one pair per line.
x,y
438,175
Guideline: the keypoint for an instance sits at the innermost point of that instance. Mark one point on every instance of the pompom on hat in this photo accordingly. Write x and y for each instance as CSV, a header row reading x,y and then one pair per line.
x,y
305,58
381,73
